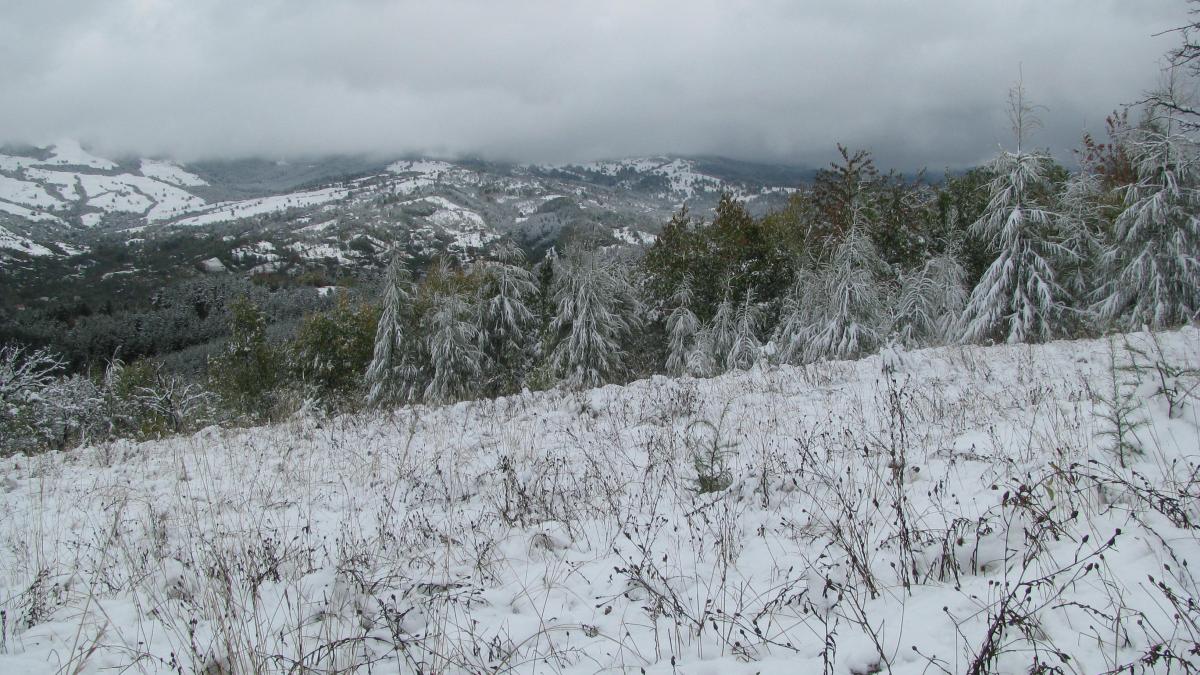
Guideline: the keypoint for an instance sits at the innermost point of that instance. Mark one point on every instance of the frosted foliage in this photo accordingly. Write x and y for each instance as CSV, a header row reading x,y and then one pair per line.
x,y
1154,271
721,332
745,348
506,292
930,302
596,308
796,317
1019,297
1080,218
506,320
453,350
700,362
386,374
841,311
682,329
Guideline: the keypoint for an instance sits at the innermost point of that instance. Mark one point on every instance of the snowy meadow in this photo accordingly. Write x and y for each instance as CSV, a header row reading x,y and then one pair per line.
x,y
959,509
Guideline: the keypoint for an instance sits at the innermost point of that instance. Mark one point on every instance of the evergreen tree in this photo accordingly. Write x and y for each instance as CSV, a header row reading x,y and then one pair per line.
x,y
930,301
849,313
389,376
1019,298
452,344
682,327
745,348
699,359
722,332
1082,222
1153,269
797,316
507,323
596,310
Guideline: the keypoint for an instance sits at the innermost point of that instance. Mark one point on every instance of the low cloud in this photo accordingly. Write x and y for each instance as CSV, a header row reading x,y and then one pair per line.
x,y
920,84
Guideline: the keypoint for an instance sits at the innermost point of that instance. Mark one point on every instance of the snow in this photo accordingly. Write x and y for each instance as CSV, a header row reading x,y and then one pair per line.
x,y
419,174
14,163
562,532
213,265
63,181
227,211
636,237
261,250
681,173
320,251
27,194
528,207
318,227
467,228
70,153
124,193
14,242
169,172
422,166
91,219
29,214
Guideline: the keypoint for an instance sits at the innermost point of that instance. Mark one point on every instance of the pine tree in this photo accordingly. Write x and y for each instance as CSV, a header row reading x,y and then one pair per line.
x,y
507,323
849,315
930,301
721,332
1154,266
745,348
699,360
682,327
1082,221
596,310
390,377
1019,298
797,316
453,348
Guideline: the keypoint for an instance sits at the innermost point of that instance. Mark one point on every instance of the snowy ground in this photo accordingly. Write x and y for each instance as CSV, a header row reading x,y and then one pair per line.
x,y
923,512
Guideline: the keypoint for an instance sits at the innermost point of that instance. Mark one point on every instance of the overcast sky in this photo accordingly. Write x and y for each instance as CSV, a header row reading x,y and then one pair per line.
x,y
918,83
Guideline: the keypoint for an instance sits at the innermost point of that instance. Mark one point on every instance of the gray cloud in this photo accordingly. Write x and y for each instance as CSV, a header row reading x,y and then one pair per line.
x,y
921,84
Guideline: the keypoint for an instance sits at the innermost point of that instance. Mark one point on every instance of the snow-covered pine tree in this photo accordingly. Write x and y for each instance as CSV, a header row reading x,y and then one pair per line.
x,y
1019,298
722,329
849,317
699,359
797,316
452,343
745,349
682,327
596,310
1082,218
388,376
1154,266
930,301
508,326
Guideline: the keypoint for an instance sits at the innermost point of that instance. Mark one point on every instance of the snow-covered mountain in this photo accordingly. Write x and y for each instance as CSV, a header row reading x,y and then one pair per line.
x,y
64,194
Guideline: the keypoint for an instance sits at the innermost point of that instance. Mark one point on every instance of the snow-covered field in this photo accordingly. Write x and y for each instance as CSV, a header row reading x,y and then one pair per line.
x,y
228,211
948,510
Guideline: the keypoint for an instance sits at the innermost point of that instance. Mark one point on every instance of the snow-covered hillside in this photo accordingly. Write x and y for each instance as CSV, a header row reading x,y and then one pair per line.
x,y
683,179
942,511
71,182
